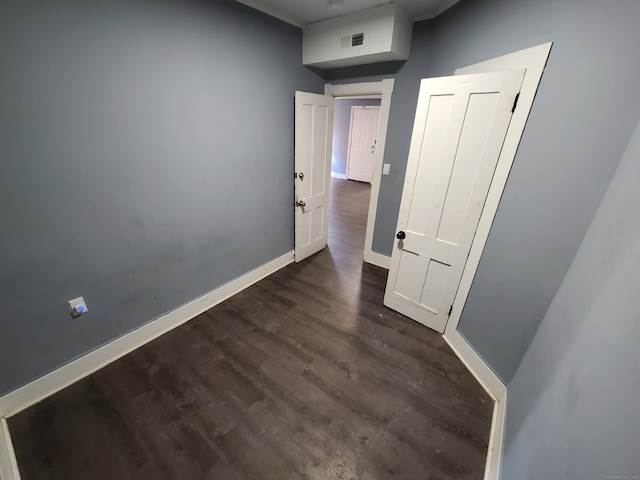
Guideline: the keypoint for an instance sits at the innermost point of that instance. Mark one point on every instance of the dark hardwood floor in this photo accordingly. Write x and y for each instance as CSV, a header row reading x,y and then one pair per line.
x,y
303,375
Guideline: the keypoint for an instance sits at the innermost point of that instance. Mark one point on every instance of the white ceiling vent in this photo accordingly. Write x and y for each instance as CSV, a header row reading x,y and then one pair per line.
x,y
357,39
349,41
383,34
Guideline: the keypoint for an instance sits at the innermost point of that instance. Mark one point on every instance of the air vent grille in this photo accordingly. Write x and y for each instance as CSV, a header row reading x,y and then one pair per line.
x,y
355,40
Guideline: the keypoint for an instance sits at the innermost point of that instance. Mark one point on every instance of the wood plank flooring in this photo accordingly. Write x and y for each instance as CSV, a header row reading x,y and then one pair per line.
x,y
305,375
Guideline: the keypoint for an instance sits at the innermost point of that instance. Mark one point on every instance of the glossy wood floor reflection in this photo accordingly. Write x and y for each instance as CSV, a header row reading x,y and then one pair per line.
x,y
305,375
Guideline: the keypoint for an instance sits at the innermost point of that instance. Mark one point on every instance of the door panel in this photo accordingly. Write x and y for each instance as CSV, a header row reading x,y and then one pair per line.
x,y
313,136
363,137
459,129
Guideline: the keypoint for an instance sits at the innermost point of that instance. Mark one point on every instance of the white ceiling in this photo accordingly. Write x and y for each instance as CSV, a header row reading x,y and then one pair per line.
x,y
301,12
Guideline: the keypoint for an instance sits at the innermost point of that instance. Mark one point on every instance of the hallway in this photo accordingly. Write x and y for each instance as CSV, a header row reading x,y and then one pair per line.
x,y
303,375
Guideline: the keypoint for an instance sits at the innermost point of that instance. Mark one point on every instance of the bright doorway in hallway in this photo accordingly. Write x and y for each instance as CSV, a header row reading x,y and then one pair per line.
x,y
355,138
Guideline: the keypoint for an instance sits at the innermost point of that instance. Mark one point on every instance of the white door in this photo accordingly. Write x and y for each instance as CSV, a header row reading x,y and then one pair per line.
x,y
363,136
458,132
313,136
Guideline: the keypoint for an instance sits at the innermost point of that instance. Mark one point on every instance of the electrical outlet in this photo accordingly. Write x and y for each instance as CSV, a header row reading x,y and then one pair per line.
x,y
77,307
385,169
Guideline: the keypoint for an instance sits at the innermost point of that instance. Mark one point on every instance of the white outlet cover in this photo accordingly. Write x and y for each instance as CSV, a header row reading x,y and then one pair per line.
x,y
77,306
385,169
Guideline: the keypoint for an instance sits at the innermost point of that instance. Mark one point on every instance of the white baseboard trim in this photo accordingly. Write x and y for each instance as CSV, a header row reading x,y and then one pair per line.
x,y
64,376
8,462
495,388
377,259
496,440
476,365
341,176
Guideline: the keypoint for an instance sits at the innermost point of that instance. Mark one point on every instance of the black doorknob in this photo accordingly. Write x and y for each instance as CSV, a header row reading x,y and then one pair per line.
x,y
400,235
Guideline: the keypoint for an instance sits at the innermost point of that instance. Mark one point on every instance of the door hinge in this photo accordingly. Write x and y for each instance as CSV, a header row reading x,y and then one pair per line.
x,y
515,102
450,310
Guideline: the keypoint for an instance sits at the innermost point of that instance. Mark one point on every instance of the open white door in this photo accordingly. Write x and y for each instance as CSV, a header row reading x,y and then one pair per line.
x,y
313,136
459,129
363,138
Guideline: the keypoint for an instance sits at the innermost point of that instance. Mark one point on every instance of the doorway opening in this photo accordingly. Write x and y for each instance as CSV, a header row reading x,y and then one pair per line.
x,y
355,136
312,166
364,163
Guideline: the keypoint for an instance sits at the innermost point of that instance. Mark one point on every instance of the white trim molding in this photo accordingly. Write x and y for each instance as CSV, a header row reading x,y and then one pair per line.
x,y
476,364
495,388
379,260
361,97
341,176
383,89
8,463
47,385
496,439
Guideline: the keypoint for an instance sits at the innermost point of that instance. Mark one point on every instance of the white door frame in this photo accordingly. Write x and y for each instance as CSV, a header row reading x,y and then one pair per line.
x,y
351,116
384,89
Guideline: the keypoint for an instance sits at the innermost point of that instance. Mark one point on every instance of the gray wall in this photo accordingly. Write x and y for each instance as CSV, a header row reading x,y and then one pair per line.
x,y
582,119
572,410
341,126
146,155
